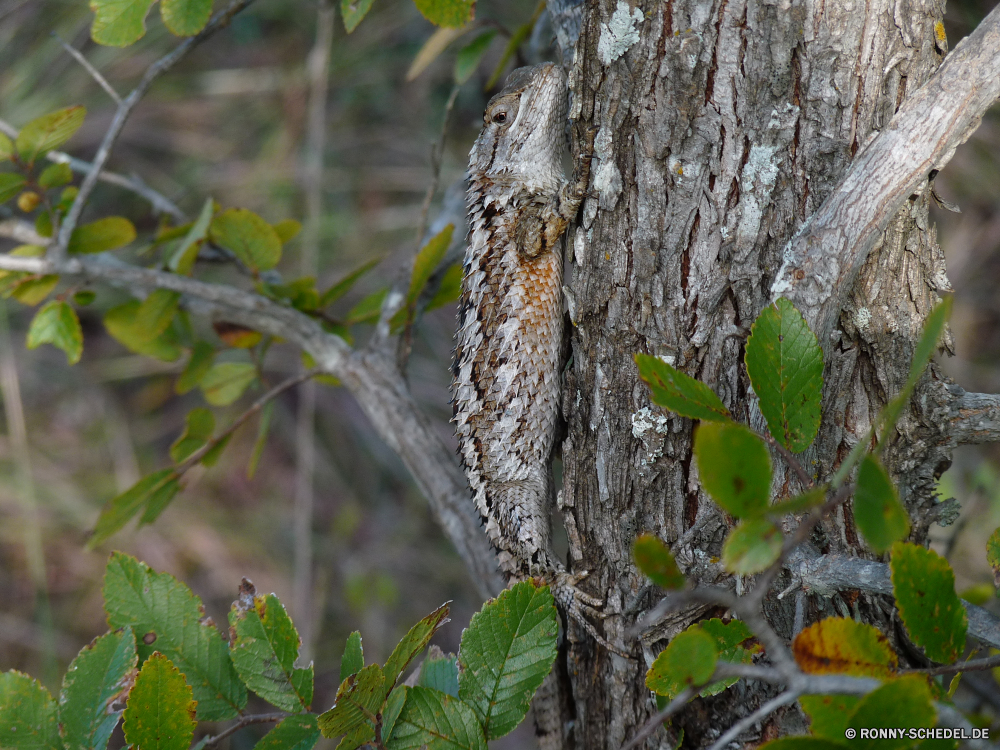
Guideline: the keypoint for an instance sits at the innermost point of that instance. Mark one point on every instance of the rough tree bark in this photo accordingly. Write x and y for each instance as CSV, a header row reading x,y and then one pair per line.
x,y
741,152
723,126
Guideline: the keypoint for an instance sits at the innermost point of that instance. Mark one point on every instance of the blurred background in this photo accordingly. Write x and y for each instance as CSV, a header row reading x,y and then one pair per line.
x,y
229,122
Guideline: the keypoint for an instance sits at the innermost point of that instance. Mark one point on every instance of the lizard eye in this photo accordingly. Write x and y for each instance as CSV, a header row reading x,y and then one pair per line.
x,y
500,117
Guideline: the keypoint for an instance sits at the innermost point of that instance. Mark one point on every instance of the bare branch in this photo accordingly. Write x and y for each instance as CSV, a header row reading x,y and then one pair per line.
x,y
254,408
370,376
159,202
822,260
827,574
805,528
21,231
972,665
789,696
659,717
221,20
976,420
244,721
94,72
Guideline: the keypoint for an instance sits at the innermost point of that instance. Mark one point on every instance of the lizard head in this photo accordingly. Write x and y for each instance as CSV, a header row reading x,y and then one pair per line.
x,y
524,130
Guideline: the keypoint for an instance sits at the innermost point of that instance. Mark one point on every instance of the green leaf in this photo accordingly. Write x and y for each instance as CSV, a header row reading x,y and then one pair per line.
x,y
341,288
657,563
680,393
264,653
359,699
142,327
31,291
689,659
506,652
752,546
159,499
839,645
926,346
27,714
119,511
924,586
734,467
160,711
6,147
56,323
829,714
10,185
413,643
905,702
55,175
198,428
301,293
439,672
785,365
353,11
261,441
94,689
880,516
453,13
431,49
251,239
298,732
471,55
364,734
99,236
437,721
200,362
427,260
48,132
728,637
450,289
353,660
392,709
119,23
368,309
185,17
84,297
287,229
226,381
183,259
211,456
993,557
168,618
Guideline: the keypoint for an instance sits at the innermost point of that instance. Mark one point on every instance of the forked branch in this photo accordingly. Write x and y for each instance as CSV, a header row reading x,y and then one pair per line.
x,y
823,259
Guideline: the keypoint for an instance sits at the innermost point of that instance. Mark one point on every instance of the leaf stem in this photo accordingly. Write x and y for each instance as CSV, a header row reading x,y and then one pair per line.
x,y
257,405
244,721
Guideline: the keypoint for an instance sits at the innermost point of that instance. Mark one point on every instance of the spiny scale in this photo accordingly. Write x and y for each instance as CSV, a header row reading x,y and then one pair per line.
x,y
507,355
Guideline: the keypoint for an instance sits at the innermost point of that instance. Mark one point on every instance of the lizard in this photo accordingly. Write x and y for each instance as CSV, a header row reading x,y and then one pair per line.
x,y
508,351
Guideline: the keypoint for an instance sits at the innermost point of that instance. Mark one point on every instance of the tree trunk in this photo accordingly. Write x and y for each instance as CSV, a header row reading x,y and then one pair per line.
x,y
720,128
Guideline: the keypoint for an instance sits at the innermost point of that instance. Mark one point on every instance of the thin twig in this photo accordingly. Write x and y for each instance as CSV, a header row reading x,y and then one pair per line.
x,y
789,696
791,460
973,665
257,405
58,249
159,202
801,535
369,375
244,721
94,72
659,717
437,157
